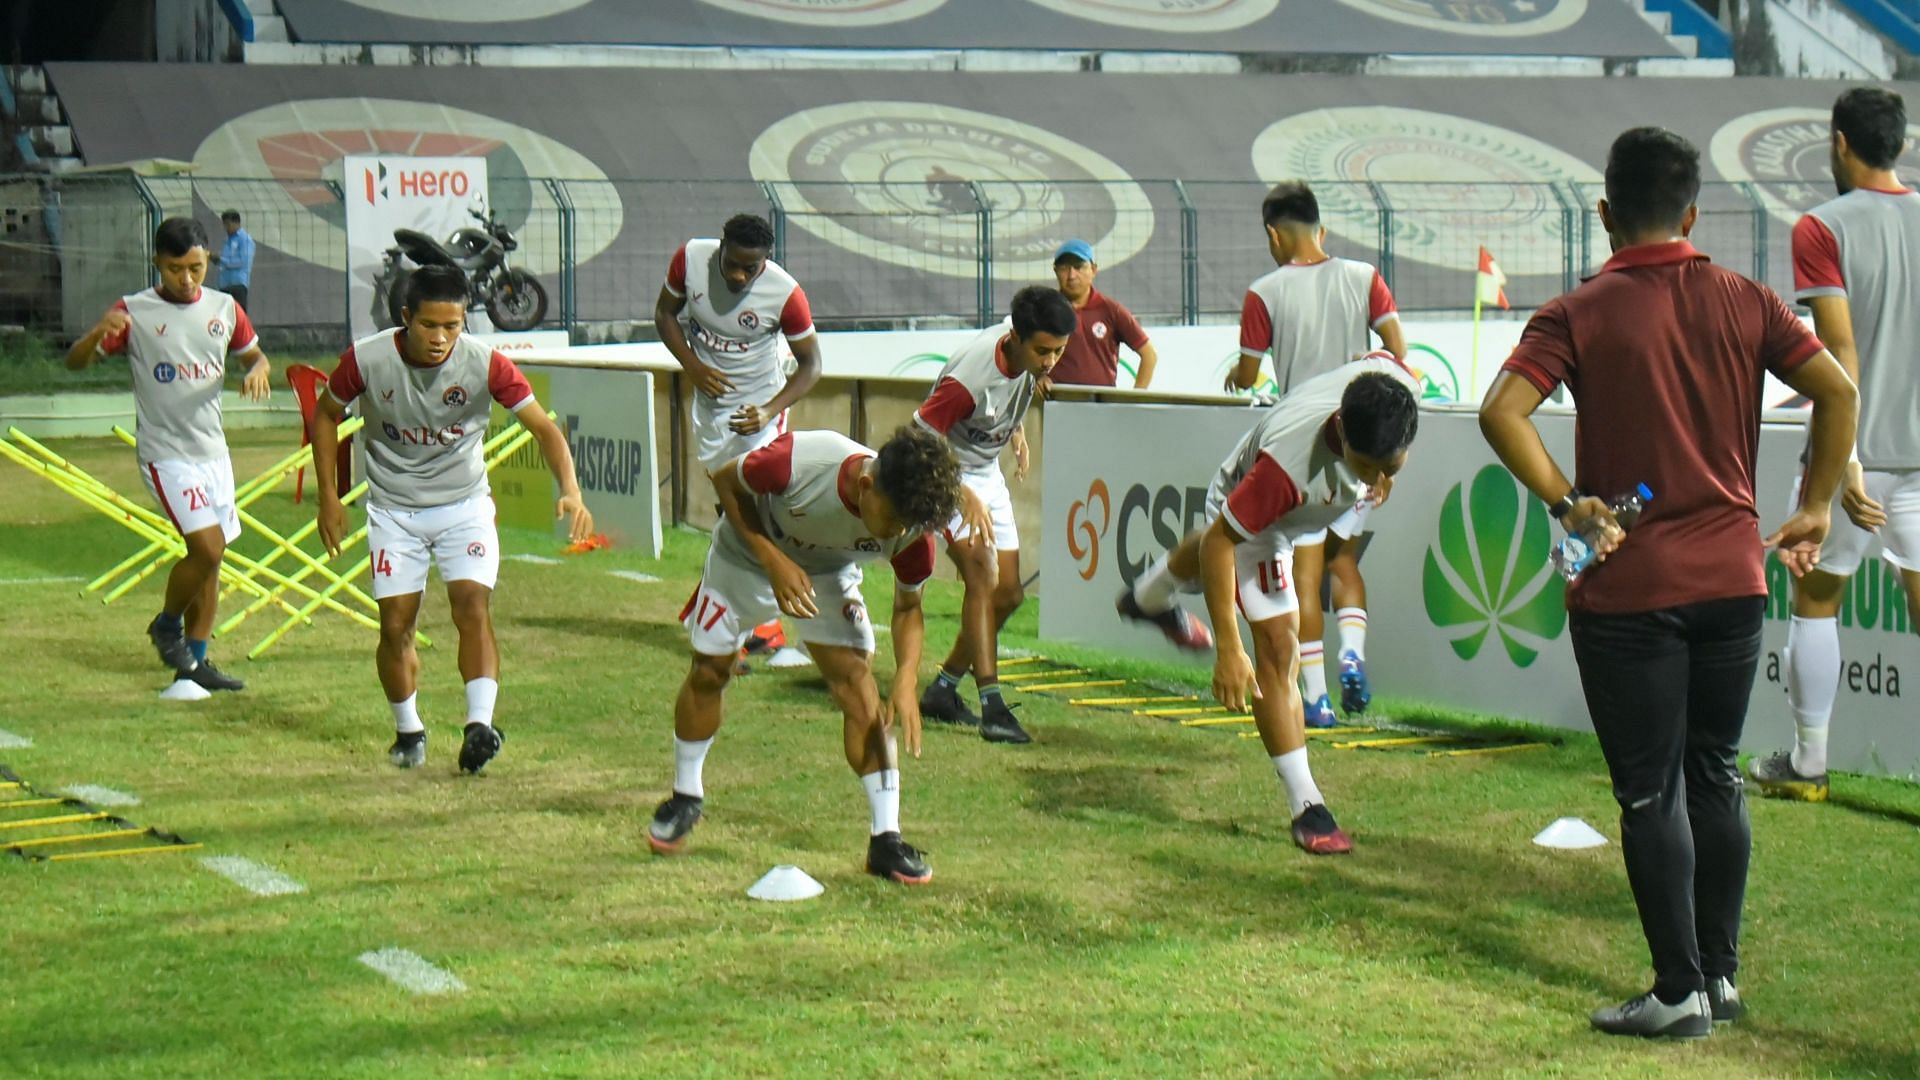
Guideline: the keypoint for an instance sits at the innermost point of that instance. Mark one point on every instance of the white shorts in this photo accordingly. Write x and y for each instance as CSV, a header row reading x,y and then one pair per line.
x,y
1263,578
732,599
1848,544
991,486
196,495
459,538
715,444
1346,526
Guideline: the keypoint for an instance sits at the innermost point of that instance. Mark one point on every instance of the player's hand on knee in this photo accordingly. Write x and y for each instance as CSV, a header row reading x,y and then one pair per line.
x,y
1234,684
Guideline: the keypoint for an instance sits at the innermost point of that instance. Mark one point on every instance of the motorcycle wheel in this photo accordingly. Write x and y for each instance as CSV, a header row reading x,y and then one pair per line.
x,y
518,301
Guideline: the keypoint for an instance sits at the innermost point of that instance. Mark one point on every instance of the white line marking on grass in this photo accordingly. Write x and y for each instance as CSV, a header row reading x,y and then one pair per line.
x,y
10,741
40,580
411,973
101,796
258,879
537,560
634,575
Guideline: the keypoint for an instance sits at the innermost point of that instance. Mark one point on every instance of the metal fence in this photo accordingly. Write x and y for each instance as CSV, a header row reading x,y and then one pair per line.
x,y
927,249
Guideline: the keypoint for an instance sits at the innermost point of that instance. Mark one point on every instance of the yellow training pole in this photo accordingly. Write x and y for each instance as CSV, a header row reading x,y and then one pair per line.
x,y
120,853
75,838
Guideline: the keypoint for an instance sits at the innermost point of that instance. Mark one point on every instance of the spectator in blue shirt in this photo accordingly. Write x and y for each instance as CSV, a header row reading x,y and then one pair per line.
x,y
236,261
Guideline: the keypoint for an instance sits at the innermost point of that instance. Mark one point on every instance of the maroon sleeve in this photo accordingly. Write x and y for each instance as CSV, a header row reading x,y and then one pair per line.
x,y
1816,260
116,343
913,564
768,470
1256,326
1379,301
946,406
346,383
796,318
677,272
1788,342
1265,495
1544,356
1127,328
243,336
505,383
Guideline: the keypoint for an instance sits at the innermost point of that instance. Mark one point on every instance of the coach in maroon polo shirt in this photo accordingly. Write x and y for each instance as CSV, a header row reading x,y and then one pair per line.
x,y
1664,354
1093,353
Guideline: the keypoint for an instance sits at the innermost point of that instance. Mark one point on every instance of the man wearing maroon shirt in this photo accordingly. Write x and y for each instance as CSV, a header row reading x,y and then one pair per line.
x,y
1093,352
1665,356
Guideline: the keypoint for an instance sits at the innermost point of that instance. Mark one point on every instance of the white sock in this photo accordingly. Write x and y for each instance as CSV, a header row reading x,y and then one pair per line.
x,y
883,796
689,759
1154,590
406,715
1297,779
1813,680
481,694
1313,669
1353,631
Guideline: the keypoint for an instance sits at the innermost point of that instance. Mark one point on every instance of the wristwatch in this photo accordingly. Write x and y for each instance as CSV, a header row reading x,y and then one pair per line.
x,y
1565,506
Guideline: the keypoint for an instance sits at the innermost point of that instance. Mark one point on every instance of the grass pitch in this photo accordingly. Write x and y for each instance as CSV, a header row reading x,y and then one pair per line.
x,y
1120,898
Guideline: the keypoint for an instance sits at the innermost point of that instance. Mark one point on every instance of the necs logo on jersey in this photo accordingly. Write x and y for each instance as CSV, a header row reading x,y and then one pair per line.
x,y
422,435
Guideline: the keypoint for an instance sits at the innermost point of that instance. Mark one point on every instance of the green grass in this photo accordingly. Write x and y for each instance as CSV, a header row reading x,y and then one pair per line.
x,y
1118,899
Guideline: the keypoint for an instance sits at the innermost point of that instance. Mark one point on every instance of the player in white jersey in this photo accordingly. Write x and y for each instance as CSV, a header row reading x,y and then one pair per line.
x,y
176,338
1336,440
798,518
1853,264
426,391
1314,312
979,403
737,304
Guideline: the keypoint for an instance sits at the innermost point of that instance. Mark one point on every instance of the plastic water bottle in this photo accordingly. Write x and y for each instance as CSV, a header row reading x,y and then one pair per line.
x,y
1573,555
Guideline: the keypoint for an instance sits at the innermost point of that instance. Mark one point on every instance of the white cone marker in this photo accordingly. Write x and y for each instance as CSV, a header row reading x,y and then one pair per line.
x,y
1570,833
786,883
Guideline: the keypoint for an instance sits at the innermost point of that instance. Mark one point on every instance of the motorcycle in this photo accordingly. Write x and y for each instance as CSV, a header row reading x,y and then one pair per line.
x,y
513,298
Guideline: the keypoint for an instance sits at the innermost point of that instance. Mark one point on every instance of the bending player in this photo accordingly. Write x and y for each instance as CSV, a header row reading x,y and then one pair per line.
x,y
799,516
979,404
182,445
738,302
426,391
1337,439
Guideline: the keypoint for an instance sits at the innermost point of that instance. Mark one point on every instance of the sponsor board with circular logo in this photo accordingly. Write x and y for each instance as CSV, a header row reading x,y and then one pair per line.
x,y
300,144
474,11
845,14
1468,169
894,180
1480,18
1785,154
1178,16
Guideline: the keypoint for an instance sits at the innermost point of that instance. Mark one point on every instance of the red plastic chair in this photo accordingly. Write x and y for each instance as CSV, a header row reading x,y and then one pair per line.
x,y
306,381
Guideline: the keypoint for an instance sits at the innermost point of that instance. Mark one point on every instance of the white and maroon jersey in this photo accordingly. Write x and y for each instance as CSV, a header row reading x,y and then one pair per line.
x,y
426,423
738,333
1314,317
1863,246
1288,476
178,354
802,485
977,402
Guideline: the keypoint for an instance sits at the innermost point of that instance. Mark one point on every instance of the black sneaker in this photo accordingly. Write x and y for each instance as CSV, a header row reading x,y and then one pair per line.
x,y
888,856
1650,1018
941,703
672,821
1179,625
1316,833
171,645
212,678
409,750
998,725
482,742
1724,999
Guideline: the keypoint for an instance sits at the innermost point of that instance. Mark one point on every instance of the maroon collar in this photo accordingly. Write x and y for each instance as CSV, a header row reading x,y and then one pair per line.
x,y
843,484
1673,251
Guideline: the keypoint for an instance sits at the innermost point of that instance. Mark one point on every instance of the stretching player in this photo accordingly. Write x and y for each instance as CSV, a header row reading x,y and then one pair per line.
x,y
738,302
426,391
980,404
1337,439
799,516
1853,265
176,338
1314,313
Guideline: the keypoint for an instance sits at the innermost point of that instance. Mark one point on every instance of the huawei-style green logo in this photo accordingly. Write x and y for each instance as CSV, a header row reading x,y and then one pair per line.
x,y
1492,573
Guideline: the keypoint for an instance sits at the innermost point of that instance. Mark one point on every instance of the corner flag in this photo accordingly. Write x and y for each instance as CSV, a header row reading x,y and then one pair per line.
x,y
1490,284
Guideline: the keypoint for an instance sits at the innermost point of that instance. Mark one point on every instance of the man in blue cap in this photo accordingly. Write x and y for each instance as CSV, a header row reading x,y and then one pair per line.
x,y
1093,353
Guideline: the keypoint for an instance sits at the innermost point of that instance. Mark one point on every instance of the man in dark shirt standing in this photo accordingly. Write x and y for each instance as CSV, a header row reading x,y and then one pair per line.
x,y
1664,354
1093,352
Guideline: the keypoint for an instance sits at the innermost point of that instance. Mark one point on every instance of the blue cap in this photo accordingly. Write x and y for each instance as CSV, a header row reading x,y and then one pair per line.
x,y
1079,249
1646,493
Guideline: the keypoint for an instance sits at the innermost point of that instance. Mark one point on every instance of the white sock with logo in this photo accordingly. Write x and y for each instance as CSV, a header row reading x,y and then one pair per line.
x,y
1353,631
406,715
1298,780
1813,681
1313,669
689,760
481,694
883,798
1154,590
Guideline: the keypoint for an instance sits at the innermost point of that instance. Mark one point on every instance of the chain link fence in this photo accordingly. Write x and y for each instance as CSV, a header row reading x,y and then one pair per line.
x,y
929,251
